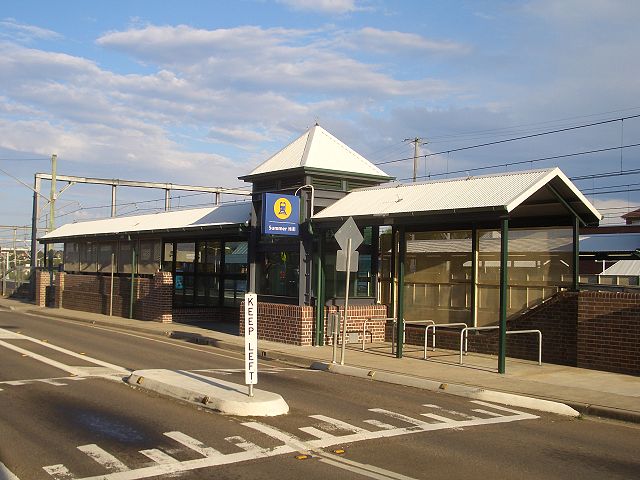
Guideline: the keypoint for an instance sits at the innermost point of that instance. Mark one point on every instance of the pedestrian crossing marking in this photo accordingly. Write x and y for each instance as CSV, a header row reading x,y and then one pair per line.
x,y
329,432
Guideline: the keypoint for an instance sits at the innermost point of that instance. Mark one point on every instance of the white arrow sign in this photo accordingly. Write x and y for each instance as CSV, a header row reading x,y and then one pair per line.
x,y
348,231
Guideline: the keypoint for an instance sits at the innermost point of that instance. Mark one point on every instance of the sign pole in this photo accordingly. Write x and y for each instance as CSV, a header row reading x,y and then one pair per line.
x,y
250,340
346,302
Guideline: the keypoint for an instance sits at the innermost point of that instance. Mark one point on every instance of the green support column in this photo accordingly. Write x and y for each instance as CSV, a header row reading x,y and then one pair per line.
x,y
402,249
393,284
504,280
576,254
320,298
133,276
474,277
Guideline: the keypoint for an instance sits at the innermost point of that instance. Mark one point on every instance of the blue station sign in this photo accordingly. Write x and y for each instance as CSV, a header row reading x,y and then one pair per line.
x,y
280,214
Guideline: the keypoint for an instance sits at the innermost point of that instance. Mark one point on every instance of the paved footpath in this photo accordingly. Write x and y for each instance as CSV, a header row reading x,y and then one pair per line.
x,y
590,392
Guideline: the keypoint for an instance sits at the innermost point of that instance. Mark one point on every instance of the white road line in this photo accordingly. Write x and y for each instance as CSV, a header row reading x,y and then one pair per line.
x,y
59,472
193,444
16,383
159,456
486,412
246,445
339,424
453,412
293,444
104,458
52,382
362,468
286,438
379,424
316,432
68,368
399,416
439,418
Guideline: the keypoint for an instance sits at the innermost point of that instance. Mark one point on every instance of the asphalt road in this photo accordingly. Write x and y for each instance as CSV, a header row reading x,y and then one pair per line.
x,y
61,425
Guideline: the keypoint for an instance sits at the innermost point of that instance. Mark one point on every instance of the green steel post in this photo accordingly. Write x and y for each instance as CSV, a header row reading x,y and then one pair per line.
x,y
400,311
319,340
576,254
474,277
133,273
504,278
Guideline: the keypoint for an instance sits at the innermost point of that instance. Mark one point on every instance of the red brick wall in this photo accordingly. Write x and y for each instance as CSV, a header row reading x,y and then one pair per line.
x,y
375,316
283,323
294,324
42,283
587,329
91,293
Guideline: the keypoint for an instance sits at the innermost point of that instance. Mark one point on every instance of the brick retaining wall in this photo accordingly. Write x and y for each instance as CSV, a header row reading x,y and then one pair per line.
x,y
587,329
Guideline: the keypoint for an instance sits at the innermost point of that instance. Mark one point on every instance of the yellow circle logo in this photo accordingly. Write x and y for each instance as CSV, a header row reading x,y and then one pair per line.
x,y
282,208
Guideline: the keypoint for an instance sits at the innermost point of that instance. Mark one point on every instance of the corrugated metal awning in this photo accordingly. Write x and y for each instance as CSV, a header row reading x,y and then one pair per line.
x,y
179,220
502,193
624,267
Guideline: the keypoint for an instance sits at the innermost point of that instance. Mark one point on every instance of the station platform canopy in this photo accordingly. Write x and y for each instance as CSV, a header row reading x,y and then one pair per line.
x,y
542,194
192,220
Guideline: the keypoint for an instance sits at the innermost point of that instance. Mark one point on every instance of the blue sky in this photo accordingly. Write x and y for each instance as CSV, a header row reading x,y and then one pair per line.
x,y
199,92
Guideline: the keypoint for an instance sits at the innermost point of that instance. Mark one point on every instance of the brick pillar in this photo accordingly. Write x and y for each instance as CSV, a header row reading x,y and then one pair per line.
x,y
161,308
59,283
42,282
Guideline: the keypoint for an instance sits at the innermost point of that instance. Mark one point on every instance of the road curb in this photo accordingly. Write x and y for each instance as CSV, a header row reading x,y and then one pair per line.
x,y
475,393
208,392
606,412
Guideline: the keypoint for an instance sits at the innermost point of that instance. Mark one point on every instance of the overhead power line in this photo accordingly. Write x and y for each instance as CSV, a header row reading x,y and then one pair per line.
x,y
524,137
531,161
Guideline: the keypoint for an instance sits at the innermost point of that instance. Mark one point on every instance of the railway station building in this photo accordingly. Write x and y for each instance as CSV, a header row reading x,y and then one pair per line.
x,y
481,250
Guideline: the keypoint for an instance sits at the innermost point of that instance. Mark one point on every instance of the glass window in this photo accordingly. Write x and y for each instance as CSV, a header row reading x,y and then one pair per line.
x,y
236,257
278,273
359,283
185,257
234,290
438,276
167,258
209,254
71,257
149,257
124,257
207,288
88,253
105,252
540,263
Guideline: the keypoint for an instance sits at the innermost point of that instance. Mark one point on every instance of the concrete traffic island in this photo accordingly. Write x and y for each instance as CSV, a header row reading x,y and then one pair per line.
x,y
225,397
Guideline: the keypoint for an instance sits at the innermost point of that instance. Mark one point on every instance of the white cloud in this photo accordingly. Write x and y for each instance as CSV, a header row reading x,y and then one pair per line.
x,y
323,6
25,33
400,43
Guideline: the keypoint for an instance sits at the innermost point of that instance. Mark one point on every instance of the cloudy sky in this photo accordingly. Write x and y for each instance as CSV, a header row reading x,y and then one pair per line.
x,y
199,92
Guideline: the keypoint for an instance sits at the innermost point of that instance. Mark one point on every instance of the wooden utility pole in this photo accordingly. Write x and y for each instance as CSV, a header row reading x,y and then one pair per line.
x,y
416,153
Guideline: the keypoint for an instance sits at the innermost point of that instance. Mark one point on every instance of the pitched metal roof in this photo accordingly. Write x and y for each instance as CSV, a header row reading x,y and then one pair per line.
x,y
624,267
178,220
504,192
317,149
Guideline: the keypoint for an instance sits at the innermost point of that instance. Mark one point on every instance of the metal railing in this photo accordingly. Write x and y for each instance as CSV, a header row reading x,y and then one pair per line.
x,y
433,338
404,330
464,331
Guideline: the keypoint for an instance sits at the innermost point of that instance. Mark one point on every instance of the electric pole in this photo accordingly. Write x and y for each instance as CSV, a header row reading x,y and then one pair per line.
x,y
416,145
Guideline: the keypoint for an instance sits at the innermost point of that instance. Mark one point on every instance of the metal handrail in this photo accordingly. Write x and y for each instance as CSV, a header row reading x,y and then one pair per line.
x,y
441,325
509,332
404,329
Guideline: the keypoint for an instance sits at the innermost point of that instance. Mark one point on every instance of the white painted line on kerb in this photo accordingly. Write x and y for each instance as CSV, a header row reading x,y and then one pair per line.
x,y
105,459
